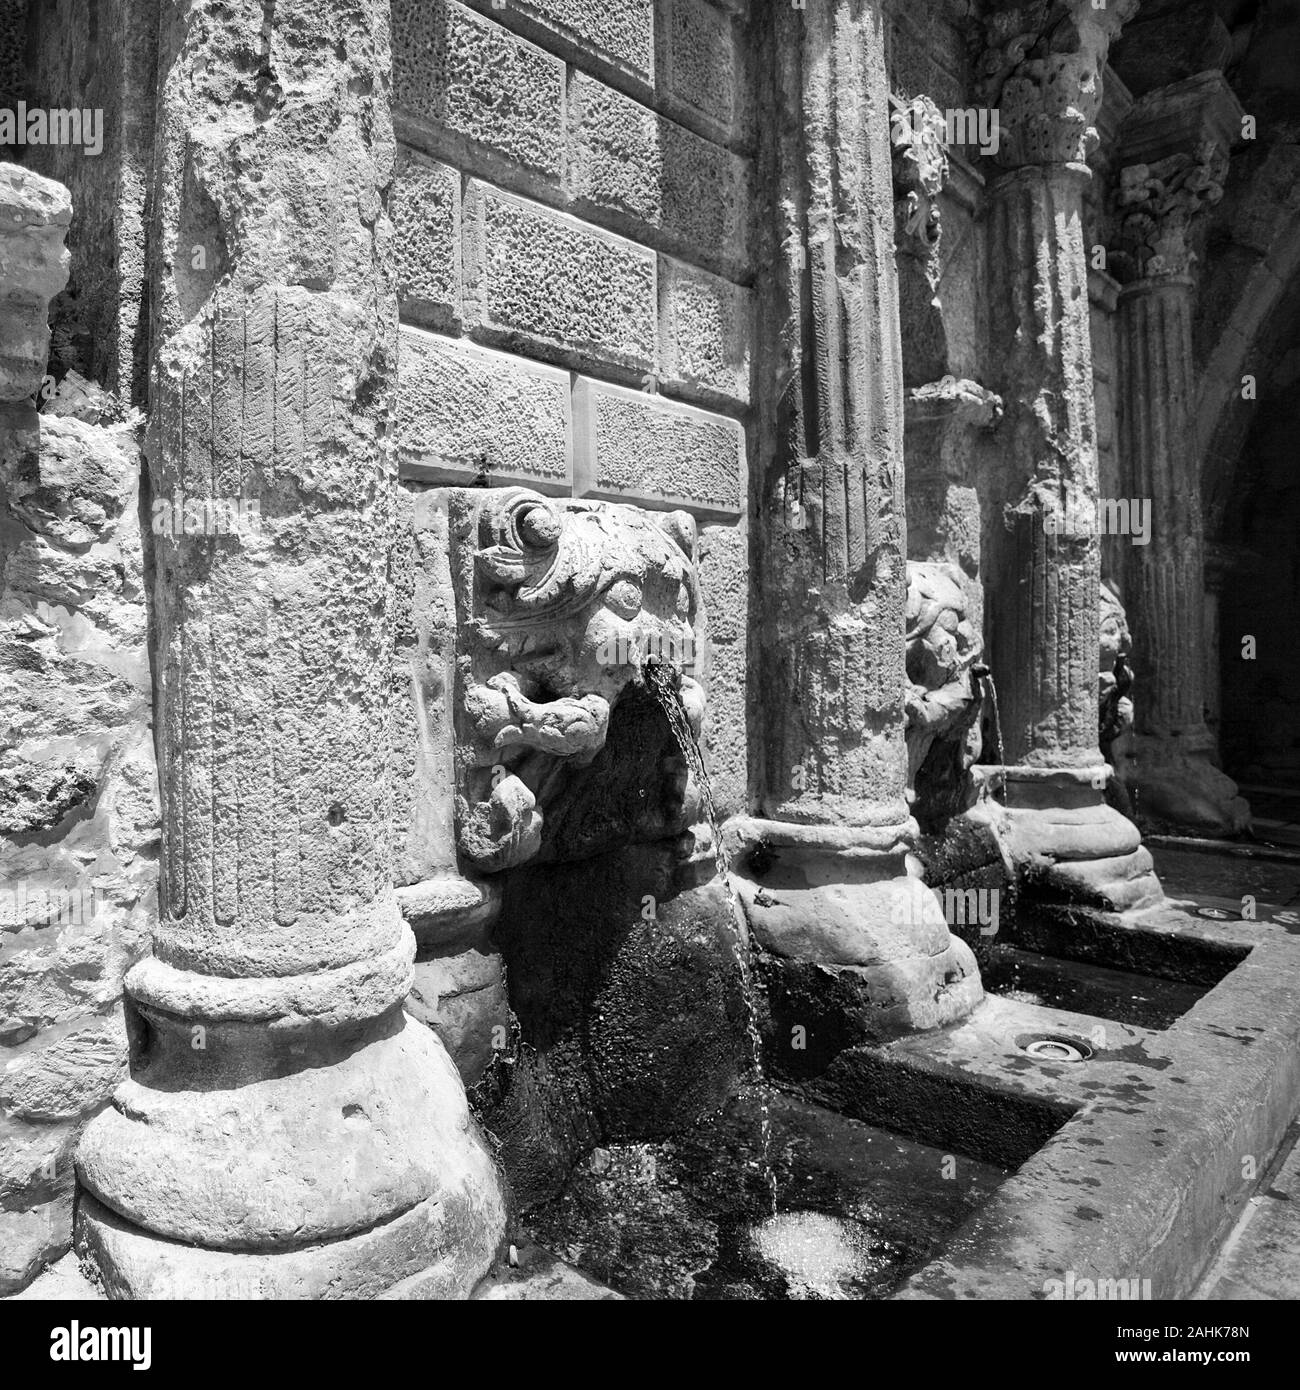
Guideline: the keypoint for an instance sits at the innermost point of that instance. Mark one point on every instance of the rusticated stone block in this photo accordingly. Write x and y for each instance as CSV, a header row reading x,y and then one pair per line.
x,y
464,409
697,61
426,215
634,446
705,330
471,78
625,159
618,32
564,288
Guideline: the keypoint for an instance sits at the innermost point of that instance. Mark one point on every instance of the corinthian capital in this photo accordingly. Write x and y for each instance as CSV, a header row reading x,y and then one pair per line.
x,y
1156,205
1040,65
1172,162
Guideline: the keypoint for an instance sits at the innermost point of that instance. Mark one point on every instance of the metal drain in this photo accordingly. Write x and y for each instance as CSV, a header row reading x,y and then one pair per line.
x,y
1053,1047
1215,914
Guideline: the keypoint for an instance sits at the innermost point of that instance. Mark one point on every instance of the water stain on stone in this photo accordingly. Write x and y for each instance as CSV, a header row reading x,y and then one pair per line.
x,y
1137,1055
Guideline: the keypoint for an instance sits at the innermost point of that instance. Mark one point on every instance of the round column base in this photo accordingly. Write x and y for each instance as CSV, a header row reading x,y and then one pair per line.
x,y
438,1249
842,900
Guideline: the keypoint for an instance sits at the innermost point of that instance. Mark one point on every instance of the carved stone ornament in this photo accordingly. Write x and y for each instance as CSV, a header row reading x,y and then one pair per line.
x,y
943,701
1041,67
570,600
1115,677
1156,205
918,133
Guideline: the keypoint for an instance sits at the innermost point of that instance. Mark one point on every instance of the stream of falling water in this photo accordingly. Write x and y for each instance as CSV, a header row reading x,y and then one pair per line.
x,y
661,680
1000,784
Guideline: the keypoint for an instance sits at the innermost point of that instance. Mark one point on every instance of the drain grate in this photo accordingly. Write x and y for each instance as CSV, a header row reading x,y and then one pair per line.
x,y
1054,1047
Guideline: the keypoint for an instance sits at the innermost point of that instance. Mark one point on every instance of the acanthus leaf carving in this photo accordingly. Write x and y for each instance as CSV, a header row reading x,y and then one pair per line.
x,y
1040,65
1157,204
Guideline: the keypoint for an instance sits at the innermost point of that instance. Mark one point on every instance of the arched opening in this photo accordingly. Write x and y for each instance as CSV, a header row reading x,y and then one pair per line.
x,y
1259,657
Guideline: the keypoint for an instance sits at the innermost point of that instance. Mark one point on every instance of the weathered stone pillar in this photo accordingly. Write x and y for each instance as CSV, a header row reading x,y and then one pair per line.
x,y
34,217
826,864
1173,161
1042,623
286,1130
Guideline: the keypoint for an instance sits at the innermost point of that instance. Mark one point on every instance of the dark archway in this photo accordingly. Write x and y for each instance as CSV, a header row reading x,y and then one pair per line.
x,y
1259,649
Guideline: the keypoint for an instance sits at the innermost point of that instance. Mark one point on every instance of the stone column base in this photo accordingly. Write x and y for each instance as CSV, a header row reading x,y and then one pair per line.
x,y
1174,784
1064,838
285,1156
435,1250
841,899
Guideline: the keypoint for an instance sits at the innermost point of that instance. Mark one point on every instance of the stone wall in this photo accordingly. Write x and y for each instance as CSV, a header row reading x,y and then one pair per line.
x,y
78,787
78,800
572,210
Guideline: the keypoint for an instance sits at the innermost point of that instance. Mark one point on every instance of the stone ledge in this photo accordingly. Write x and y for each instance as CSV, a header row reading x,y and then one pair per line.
x,y
1219,1084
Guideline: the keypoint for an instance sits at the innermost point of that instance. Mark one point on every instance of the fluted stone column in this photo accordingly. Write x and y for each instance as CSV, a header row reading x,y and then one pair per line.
x,y
286,1130
1173,162
826,863
1042,608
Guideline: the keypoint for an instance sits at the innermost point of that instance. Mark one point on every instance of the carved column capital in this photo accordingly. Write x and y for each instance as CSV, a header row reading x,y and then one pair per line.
x,y
919,137
1172,165
1040,65
1156,206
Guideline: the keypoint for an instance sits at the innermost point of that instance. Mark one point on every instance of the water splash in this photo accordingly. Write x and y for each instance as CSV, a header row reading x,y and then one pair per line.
x,y
663,682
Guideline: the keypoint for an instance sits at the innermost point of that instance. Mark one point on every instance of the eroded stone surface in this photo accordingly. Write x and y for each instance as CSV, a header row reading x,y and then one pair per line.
x,y
34,217
429,817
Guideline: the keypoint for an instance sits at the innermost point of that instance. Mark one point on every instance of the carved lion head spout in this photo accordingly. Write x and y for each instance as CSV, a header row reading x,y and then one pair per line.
x,y
570,600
